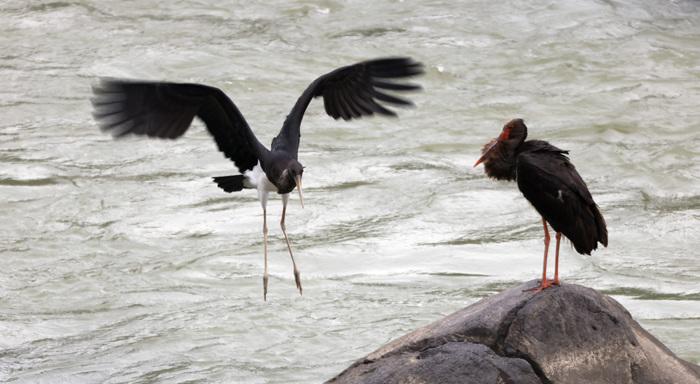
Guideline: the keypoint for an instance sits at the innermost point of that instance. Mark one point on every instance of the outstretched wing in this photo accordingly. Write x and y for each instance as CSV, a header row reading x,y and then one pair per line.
x,y
351,92
553,186
166,110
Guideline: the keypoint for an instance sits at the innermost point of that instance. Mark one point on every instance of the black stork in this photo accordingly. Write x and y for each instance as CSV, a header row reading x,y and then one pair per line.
x,y
166,110
551,184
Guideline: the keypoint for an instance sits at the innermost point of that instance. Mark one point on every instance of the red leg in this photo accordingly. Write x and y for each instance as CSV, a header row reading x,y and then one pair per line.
x,y
556,261
545,283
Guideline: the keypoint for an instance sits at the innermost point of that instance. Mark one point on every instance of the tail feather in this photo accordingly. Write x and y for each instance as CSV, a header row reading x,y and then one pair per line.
x,y
600,225
588,231
230,184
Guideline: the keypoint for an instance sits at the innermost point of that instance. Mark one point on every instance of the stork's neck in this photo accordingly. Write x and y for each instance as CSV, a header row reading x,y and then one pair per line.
x,y
501,166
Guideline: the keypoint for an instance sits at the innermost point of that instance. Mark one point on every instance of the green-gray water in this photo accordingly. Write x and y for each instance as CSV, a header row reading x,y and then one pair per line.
x,y
123,263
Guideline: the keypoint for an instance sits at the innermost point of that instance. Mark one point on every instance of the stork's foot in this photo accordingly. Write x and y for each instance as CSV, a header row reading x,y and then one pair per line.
x,y
555,281
543,285
297,280
265,278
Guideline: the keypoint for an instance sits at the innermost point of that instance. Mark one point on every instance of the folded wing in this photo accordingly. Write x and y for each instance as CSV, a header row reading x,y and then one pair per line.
x,y
553,186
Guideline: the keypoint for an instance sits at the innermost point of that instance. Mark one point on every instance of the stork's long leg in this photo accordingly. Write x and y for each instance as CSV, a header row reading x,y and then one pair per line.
x,y
297,276
556,261
544,284
263,201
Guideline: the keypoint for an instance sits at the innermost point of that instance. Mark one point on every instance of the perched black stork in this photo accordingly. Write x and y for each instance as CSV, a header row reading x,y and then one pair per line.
x,y
551,184
166,110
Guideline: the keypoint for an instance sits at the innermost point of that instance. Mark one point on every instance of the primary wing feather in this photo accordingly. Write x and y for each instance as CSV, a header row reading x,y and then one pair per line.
x,y
166,110
351,92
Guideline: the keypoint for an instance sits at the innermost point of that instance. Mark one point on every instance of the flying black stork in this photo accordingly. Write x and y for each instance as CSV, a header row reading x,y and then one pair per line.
x,y
166,110
551,184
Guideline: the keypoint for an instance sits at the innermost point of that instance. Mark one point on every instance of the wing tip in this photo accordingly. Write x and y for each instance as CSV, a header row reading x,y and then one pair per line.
x,y
395,67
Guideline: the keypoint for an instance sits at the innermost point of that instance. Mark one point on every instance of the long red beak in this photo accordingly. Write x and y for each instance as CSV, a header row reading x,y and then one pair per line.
x,y
483,157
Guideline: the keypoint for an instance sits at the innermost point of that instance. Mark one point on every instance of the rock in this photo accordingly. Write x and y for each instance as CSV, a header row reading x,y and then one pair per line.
x,y
566,334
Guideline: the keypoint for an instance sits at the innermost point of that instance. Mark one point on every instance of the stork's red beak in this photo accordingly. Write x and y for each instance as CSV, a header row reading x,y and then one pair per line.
x,y
297,179
486,153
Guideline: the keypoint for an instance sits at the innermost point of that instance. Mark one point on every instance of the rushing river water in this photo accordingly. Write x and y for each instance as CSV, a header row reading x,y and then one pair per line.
x,y
123,263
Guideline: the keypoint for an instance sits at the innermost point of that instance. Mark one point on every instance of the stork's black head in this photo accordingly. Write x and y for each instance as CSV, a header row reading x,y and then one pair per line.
x,y
291,177
498,155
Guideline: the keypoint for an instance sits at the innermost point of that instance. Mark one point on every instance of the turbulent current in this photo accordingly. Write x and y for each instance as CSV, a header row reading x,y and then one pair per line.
x,y
123,263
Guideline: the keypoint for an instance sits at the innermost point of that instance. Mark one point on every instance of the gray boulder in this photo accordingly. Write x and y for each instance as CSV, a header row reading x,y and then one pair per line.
x,y
568,334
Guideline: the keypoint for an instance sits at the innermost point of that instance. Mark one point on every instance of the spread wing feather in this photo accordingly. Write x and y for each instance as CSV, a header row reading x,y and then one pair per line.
x,y
166,110
351,92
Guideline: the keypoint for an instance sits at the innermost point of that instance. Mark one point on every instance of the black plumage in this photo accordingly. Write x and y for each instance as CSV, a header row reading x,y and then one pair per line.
x,y
166,110
230,184
551,184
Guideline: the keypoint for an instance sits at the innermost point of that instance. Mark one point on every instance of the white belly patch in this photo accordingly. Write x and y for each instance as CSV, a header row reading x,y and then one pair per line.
x,y
257,179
